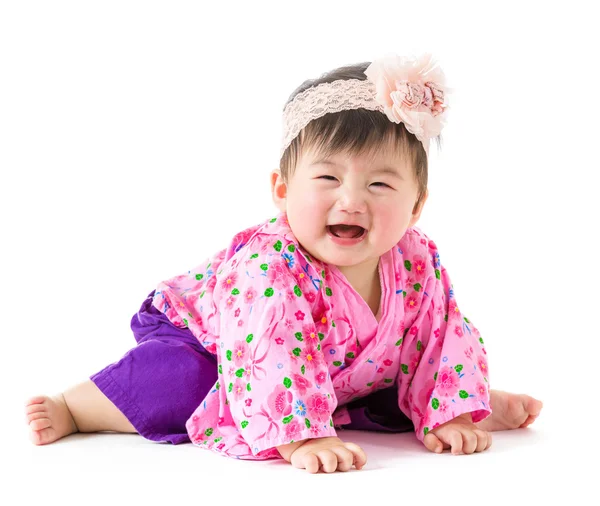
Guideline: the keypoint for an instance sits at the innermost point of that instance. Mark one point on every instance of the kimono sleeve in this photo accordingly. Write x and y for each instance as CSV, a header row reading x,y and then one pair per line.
x,y
444,371
187,299
271,365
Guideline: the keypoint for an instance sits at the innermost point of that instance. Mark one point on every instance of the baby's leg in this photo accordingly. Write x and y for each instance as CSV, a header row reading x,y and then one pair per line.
x,y
82,408
510,411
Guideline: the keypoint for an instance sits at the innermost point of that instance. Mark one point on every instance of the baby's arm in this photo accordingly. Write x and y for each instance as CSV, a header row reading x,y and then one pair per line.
x,y
328,453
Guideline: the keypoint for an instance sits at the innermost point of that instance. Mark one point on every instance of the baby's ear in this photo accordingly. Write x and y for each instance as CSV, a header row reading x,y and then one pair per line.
x,y
418,209
278,190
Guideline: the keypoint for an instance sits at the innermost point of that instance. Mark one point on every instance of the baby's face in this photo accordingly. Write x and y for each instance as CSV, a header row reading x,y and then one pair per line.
x,y
344,189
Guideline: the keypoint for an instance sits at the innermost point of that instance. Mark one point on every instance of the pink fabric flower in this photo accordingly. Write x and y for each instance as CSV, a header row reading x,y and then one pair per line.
x,y
412,302
412,91
419,267
320,378
426,391
239,389
458,331
293,430
309,333
311,356
299,315
318,407
453,310
277,274
250,296
447,381
228,283
481,391
482,362
280,402
301,383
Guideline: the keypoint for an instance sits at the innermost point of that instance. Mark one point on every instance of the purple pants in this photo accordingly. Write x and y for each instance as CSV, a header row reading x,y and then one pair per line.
x,y
159,383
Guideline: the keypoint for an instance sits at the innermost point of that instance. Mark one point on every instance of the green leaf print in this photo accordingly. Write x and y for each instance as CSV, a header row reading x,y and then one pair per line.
x,y
337,363
186,322
404,368
426,430
321,336
297,291
235,291
435,403
228,354
288,419
331,422
307,423
299,336
248,387
463,394
388,380
399,342
323,273
240,372
408,265
190,315
297,351
199,276
458,368
446,317
208,432
269,292
220,369
370,384
287,382
291,248
230,387
328,292
332,323
435,377
350,355
254,256
249,338
418,345
308,258
302,369
406,332
218,385
244,424
481,340
417,287
437,274
218,439
277,246
273,220
466,319
264,267
202,294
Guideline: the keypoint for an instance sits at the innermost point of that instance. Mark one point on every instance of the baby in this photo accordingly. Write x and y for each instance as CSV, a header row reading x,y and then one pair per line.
x,y
335,314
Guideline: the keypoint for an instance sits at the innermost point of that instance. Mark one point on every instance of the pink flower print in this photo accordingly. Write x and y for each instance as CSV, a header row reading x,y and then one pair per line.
x,y
453,310
414,361
301,383
299,315
401,328
387,362
469,352
322,323
240,352
481,391
240,323
423,241
231,370
277,274
249,296
293,430
220,421
443,407
380,370
310,297
279,340
309,333
302,280
248,402
290,295
288,324
318,407
237,312
280,402
398,276
419,267
311,356
447,381
320,378
228,282
414,330
436,332
426,391
432,245
239,389
229,303
458,331
210,285
211,348
412,302
483,365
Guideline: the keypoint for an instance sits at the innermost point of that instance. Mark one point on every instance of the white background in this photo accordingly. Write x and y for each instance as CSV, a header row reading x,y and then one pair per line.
x,y
137,137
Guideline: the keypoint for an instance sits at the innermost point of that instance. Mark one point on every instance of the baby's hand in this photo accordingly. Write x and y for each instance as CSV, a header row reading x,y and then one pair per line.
x,y
329,454
460,434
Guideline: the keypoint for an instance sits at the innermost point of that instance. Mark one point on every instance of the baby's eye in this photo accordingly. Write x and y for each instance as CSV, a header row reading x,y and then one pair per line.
x,y
383,184
321,177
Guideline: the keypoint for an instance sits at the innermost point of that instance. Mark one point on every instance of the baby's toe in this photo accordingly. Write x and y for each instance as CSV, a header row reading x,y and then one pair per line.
x,y
533,406
44,436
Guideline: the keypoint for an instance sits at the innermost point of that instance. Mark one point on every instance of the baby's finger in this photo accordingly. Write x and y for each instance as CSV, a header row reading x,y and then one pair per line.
x,y
345,458
310,462
455,440
329,460
470,441
433,443
482,440
360,457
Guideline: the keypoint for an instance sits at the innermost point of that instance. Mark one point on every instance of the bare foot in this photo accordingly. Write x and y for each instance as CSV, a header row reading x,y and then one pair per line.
x,y
510,411
49,419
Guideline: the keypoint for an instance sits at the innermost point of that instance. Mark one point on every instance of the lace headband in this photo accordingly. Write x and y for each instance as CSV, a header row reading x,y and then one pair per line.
x,y
411,90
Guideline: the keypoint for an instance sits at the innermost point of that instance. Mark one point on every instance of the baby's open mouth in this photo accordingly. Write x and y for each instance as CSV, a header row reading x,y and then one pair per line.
x,y
346,231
